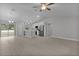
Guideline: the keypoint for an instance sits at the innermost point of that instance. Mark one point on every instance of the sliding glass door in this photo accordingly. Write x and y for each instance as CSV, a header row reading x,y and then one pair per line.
x,y
7,30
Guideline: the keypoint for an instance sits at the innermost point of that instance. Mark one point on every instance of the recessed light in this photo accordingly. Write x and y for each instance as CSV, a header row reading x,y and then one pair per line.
x,y
9,21
38,16
12,21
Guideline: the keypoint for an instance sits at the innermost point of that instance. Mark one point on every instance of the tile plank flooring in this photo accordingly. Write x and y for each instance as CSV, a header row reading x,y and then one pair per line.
x,y
19,46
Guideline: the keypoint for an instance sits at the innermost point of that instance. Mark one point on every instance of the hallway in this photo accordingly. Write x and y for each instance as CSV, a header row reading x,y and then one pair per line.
x,y
18,46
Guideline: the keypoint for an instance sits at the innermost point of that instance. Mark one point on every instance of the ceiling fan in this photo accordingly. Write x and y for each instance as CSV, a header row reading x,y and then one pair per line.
x,y
44,6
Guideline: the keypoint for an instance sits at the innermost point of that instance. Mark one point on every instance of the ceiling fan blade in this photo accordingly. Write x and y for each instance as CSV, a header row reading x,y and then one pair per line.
x,y
48,9
51,4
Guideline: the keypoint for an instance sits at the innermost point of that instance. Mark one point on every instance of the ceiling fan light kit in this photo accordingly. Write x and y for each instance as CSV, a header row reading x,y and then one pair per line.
x,y
44,6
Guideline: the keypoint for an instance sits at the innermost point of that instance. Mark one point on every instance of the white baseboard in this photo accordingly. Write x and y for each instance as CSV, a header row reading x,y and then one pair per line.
x,y
61,37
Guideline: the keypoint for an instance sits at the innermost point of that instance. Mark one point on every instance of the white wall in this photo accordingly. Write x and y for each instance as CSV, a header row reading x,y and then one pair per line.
x,y
19,29
67,28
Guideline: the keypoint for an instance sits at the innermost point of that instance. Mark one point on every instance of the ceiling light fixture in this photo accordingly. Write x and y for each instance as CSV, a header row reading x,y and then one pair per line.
x,y
43,6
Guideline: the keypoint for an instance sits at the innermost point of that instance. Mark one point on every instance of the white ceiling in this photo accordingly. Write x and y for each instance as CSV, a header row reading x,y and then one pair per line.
x,y
25,11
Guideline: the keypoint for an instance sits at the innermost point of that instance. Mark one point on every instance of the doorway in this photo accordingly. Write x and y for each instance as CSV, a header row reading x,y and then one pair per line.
x,y
7,30
39,30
